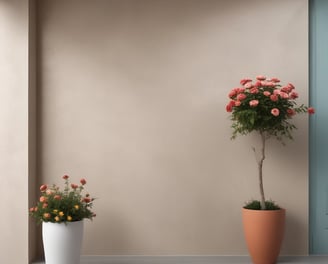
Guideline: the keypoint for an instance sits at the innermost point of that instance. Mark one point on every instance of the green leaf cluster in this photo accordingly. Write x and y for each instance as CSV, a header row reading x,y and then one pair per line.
x,y
256,205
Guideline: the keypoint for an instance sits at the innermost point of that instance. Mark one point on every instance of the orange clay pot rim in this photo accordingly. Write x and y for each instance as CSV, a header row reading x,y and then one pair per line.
x,y
264,211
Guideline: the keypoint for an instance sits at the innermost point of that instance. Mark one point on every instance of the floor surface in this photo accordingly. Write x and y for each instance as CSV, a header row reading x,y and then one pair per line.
x,y
193,260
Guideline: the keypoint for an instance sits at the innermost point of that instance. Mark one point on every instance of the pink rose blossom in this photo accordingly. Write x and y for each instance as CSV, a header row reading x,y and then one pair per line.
x,y
274,97
284,95
266,93
245,80
275,80
268,84
286,89
83,181
241,97
241,90
275,111
276,92
232,94
254,90
65,177
293,95
257,84
237,103
248,85
230,105
291,86
228,108
260,77
254,103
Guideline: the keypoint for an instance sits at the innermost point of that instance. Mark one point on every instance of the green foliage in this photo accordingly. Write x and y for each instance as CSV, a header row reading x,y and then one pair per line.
x,y
264,106
256,205
68,205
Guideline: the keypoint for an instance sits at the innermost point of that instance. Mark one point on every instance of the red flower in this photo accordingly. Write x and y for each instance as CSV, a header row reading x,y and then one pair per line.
x,y
311,110
83,181
86,200
74,186
57,197
65,177
43,199
43,187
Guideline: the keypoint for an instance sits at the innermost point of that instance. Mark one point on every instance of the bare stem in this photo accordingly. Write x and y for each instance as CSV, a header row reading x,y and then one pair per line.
x,y
260,168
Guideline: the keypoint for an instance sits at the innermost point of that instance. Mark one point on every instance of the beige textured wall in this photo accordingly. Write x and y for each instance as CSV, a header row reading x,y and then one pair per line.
x,y
14,130
132,97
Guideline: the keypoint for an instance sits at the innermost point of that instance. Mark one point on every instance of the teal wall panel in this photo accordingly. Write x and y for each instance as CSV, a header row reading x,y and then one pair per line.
x,y
319,127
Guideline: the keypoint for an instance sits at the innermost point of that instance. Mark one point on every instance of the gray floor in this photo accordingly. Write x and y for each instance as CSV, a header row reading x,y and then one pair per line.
x,y
192,260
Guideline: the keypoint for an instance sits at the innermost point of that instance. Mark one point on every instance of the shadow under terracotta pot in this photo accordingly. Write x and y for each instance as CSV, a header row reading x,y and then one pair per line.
x,y
264,232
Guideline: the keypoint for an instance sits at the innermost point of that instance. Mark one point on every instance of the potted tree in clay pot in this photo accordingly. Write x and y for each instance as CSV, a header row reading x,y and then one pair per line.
x,y
265,107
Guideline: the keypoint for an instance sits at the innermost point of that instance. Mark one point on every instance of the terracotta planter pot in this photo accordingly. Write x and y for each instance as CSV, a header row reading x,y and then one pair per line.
x,y
264,231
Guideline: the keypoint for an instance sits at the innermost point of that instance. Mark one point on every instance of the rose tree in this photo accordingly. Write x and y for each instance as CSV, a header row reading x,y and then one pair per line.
x,y
266,107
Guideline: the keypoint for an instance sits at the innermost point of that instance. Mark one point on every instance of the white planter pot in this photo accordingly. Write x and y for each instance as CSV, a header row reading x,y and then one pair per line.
x,y
62,242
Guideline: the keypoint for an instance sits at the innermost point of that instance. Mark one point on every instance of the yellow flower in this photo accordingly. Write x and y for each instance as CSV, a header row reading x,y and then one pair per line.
x,y
55,211
57,218
76,207
69,218
61,213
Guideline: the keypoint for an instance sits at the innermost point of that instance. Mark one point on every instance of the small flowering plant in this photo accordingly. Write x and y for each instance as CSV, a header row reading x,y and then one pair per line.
x,y
68,205
267,107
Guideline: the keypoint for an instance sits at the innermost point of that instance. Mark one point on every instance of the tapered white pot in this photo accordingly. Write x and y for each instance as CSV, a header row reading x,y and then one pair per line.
x,y
62,242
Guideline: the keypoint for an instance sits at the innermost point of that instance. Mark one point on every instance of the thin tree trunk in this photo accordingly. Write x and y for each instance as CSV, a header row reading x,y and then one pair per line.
x,y
260,169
